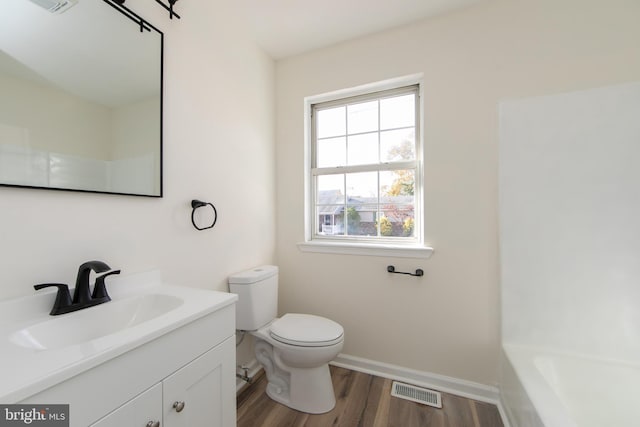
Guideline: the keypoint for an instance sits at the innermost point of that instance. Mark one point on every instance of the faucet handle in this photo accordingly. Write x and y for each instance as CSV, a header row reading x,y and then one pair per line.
x,y
63,298
99,289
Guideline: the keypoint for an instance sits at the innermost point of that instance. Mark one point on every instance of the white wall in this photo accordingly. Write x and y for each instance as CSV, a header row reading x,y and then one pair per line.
x,y
218,147
448,321
569,230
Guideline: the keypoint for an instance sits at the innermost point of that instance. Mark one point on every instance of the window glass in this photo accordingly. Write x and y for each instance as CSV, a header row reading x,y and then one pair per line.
x,y
362,117
363,184
397,145
397,112
397,183
332,152
330,204
331,122
330,184
361,219
362,149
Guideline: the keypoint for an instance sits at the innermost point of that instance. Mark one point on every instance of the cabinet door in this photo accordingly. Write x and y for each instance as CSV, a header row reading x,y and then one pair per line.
x,y
138,412
203,393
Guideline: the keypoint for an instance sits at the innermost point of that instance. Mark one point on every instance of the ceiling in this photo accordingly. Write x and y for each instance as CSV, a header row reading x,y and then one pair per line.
x,y
289,27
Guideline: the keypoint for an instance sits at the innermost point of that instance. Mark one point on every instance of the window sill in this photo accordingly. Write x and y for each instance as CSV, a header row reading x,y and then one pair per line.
x,y
367,249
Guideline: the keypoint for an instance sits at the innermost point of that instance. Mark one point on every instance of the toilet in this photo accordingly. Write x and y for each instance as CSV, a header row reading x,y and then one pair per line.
x,y
294,350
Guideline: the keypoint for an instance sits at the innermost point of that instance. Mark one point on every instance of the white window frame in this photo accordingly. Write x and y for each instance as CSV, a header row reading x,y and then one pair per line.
x,y
353,245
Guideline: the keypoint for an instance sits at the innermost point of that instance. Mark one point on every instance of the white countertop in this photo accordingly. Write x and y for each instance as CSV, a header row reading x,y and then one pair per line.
x,y
27,371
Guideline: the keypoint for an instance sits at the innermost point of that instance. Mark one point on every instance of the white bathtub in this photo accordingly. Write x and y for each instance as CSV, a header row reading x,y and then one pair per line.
x,y
549,389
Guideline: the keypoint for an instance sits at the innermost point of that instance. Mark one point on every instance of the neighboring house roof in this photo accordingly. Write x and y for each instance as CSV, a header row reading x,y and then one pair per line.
x,y
331,202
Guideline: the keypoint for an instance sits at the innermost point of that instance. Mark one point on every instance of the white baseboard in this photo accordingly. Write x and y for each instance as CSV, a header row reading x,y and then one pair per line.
x,y
505,412
463,388
438,382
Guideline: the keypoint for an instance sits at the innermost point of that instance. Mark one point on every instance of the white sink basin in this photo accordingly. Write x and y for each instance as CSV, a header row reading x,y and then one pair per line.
x,y
94,322
38,351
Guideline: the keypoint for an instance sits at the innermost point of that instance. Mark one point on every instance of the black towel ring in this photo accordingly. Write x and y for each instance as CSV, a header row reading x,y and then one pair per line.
x,y
195,204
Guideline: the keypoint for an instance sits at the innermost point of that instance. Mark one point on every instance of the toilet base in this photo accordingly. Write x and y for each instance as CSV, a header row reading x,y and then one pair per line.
x,y
308,390
311,391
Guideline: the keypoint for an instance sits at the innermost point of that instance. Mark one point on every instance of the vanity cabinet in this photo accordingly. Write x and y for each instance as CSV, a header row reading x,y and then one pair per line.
x,y
195,395
140,411
192,366
202,389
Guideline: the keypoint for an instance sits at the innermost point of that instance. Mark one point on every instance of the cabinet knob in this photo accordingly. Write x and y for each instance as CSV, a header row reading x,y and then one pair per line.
x,y
153,424
178,406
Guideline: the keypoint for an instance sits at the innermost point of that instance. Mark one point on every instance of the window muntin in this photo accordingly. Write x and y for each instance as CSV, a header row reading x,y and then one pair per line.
x,y
364,167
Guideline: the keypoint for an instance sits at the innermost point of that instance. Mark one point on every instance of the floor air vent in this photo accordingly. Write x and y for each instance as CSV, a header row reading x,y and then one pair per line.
x,y
416,394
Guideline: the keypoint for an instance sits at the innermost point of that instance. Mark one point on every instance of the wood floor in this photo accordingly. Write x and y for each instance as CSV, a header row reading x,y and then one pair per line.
x,y
364,401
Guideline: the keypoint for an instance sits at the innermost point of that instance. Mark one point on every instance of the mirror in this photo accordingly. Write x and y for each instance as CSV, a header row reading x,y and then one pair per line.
x,y
81,104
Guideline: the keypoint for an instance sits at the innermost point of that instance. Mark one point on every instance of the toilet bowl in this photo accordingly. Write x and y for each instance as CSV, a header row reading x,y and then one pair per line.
x,y
298,371
294,349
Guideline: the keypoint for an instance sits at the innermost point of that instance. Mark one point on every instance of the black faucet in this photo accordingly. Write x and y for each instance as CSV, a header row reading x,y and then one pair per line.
x,y
82,297
82,294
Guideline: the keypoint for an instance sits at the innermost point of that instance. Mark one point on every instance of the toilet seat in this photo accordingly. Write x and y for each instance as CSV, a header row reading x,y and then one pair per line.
x,y
306,330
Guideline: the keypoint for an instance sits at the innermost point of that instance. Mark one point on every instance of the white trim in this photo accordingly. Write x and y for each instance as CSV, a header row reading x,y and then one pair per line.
x,y
350,249
344,248
505,411
386,166
365,89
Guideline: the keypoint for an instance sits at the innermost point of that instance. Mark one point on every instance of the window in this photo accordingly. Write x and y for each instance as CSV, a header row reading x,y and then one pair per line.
x,y
364,185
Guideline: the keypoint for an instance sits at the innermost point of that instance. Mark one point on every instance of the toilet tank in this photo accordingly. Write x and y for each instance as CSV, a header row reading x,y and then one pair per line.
x,y
257,291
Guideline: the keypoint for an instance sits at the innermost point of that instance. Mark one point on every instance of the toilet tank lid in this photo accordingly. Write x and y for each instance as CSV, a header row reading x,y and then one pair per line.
x,y
254,275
